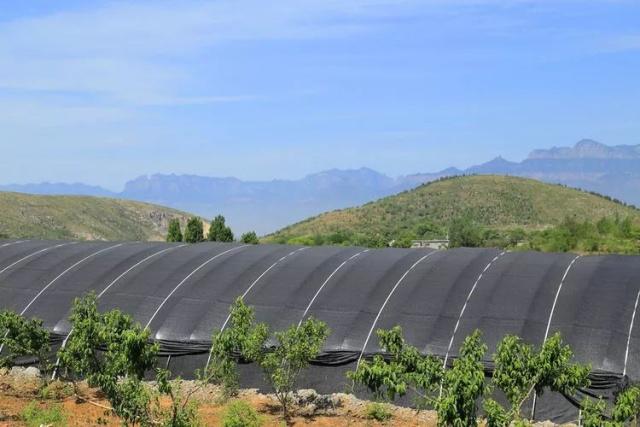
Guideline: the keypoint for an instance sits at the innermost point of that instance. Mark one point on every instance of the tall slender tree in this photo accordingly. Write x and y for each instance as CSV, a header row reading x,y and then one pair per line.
x,y
194,232
174,234
219,232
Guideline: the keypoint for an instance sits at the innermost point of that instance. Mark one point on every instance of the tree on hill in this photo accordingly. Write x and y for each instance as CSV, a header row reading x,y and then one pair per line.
x,y
464,232
250,238
194,232
219,232
174,234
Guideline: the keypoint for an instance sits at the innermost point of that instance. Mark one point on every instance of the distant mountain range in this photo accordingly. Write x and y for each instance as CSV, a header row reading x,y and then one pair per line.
x,y
266,206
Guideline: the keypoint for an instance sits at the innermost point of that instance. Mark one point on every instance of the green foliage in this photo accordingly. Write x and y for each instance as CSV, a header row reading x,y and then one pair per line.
x,y
496,415
37,415
463,385
183,412
250,238
113,353
405,369
174,234
593,412
194,231
242,338
22,337
555,370
378,411
607,235
219,232
241,414
465,232
625,412
627,406
296,347
519,370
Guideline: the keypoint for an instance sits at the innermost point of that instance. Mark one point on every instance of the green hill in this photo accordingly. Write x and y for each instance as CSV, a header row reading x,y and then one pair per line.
x,y
81,217
507,210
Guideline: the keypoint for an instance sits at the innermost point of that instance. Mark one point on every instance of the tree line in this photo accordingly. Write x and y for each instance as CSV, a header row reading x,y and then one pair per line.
x,y
194,232
116,355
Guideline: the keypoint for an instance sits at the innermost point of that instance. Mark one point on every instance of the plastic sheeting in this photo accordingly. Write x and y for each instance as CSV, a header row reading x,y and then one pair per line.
x,y
183,292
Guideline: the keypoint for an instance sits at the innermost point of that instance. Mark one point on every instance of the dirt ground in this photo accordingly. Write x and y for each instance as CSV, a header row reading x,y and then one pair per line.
x,y
16,392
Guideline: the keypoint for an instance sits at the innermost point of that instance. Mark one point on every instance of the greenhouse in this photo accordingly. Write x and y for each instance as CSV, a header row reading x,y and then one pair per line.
x,y
183,293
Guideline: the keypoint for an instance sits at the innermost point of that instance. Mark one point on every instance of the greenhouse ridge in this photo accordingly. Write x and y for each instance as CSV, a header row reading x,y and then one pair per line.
x,y
183,293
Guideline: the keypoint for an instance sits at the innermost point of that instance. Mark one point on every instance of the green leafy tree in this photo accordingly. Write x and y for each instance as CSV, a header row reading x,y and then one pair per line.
x,y
194,231
296,347
22,337
250,238
464,232
219,232
404,369
243,339
113,353
520,370
463,385
174,234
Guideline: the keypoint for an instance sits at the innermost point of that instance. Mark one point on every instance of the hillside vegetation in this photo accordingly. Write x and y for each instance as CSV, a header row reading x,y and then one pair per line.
x,y
505,211
82,217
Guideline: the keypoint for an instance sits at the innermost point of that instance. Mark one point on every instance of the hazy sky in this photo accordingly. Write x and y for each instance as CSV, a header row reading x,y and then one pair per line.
x,y
103,92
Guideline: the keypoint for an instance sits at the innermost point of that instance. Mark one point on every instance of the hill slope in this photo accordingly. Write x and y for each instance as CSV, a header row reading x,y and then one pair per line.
x,y
495,202
82,217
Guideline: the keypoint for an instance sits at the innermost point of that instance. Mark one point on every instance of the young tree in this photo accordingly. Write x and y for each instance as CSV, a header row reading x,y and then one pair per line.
x,y
219,232
405,369
296,347
22,337
174,234
241,339
463,385
520,370
194,231
625,412
183,412
113,353
250,238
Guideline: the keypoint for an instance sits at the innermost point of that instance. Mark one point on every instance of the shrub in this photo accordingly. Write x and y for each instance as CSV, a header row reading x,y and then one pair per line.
x,y
35,415
378,411
55,390
241,414
22,337
296,347
250,238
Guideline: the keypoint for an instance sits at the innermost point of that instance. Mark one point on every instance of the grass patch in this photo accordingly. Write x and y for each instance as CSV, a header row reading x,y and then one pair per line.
x,y
378,412
36,415
241,414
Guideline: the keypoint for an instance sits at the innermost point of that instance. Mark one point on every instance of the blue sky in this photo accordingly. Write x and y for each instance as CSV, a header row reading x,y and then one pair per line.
x,y
103,92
